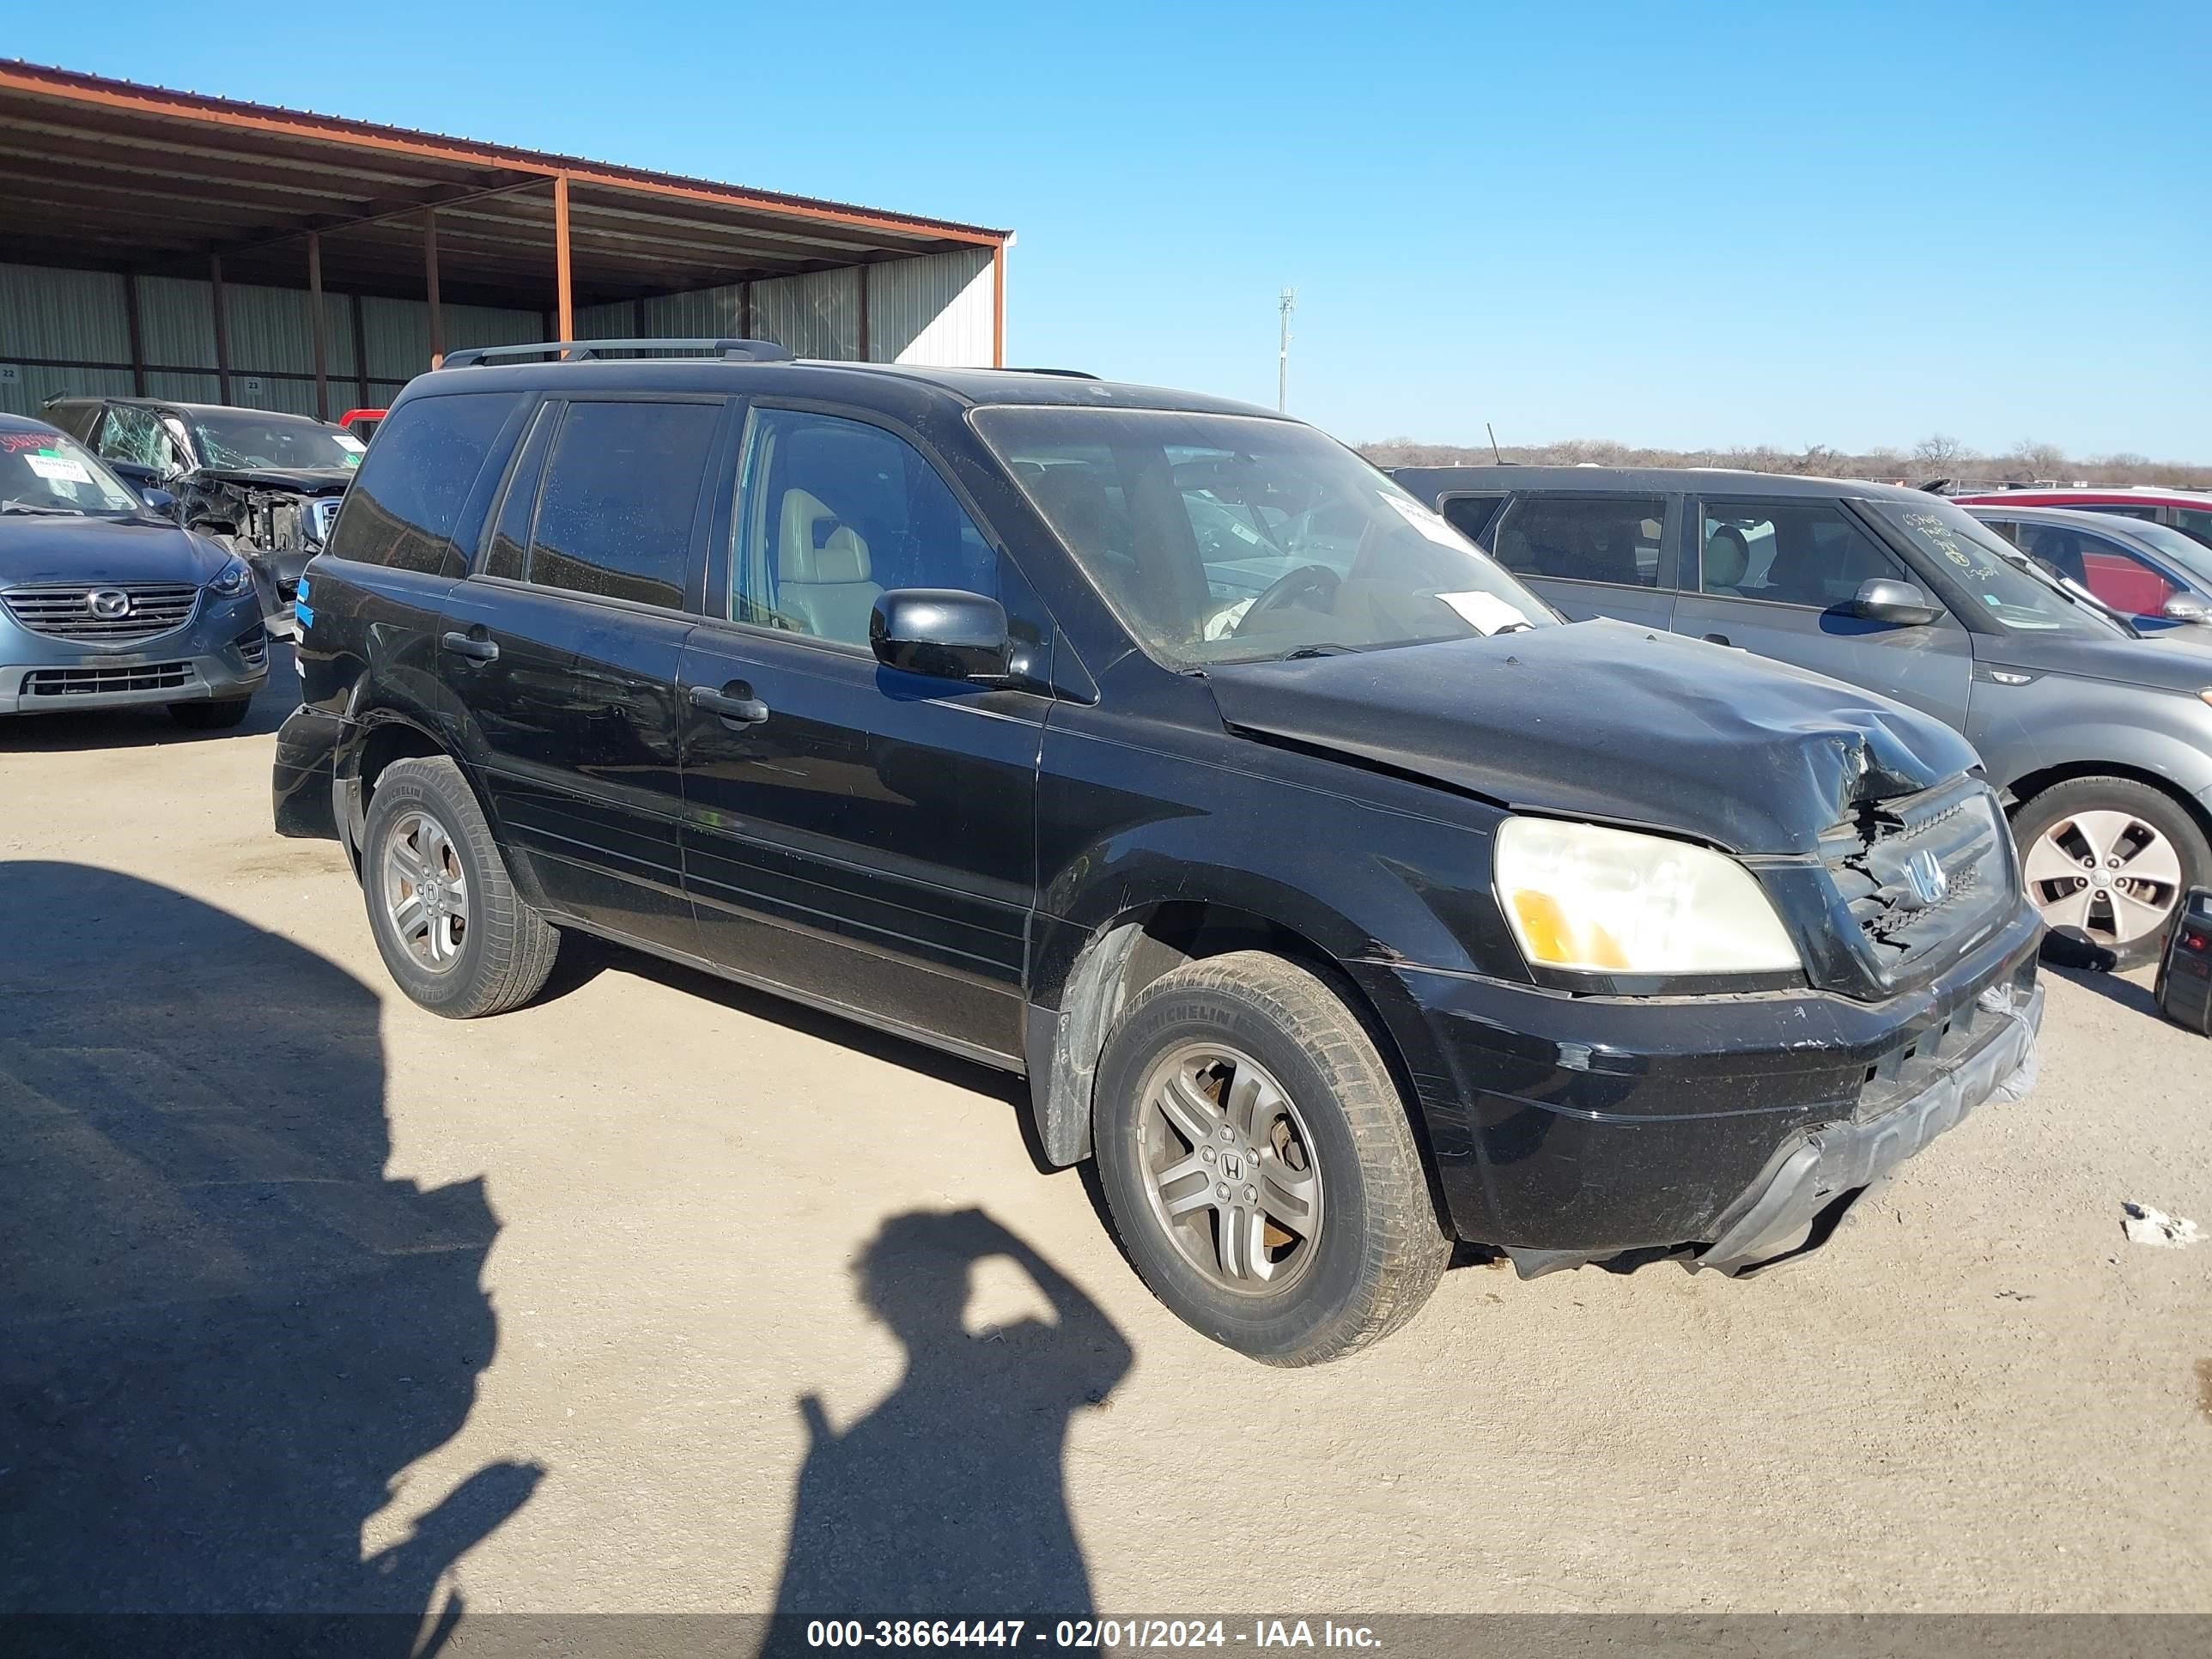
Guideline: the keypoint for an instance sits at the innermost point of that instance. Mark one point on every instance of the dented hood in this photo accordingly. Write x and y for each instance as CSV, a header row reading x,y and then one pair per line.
x,y
302,480
1610,722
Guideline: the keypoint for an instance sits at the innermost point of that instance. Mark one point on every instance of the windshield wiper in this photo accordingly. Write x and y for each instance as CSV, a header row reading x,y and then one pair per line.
x,y
1320,651
11,505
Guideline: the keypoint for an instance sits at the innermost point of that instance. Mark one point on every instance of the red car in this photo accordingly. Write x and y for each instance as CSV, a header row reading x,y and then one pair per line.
x,y
2189,511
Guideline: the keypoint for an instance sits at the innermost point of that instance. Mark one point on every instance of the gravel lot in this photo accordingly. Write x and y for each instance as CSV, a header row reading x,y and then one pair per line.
x,y
313,1299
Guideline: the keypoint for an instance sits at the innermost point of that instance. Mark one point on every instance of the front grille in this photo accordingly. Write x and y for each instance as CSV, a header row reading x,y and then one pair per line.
x,y
253,645
1922,872
122,614
98,682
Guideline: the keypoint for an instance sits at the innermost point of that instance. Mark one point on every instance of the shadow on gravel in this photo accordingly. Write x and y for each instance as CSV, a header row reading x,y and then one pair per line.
x,y
583,959
947,1501
224,1330
2136,999
142,728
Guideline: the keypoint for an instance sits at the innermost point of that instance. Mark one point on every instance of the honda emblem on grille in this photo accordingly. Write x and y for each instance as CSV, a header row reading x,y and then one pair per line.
x,y
1924,875
108,604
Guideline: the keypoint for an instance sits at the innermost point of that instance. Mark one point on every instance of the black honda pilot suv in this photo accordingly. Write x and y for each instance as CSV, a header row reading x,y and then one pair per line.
x,y
1330,892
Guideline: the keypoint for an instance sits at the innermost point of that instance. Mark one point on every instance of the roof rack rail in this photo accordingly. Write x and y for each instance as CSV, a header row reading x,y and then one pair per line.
x,y
744,351
1065,374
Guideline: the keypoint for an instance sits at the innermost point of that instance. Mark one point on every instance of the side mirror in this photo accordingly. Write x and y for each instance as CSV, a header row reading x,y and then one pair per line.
x,y
158,501
2185,608
941,632
1886,599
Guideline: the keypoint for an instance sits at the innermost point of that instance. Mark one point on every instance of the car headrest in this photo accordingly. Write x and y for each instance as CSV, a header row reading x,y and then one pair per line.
x,y
1728,557
814,547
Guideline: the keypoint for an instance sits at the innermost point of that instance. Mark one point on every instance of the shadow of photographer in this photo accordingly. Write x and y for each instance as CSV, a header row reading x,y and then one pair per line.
x,y
947,1500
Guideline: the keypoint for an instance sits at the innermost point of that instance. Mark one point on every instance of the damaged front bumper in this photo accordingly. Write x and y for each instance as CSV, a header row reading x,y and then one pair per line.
x,y
1574,1129
1809,1186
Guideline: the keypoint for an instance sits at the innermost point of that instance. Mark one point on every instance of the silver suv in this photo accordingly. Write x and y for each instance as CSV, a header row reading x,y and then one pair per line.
x,y
2100,740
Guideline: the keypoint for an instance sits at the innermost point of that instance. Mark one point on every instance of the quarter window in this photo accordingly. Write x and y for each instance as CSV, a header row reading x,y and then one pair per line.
x,y
1609,538
1793,553
1471,514
407,498
510,537
623,486
835,511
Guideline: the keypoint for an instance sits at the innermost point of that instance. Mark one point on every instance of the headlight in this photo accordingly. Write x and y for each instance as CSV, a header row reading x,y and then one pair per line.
x,y
1598,900
234,579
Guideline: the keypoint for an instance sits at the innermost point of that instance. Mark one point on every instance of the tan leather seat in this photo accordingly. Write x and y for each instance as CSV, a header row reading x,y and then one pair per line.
x,y
822,581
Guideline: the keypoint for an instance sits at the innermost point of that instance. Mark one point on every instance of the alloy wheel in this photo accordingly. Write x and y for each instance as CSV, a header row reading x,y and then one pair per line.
x,y
1229,1168
2104,875
426,891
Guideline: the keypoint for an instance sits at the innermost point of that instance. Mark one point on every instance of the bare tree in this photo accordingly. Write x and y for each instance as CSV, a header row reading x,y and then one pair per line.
x,y
2030,462
1937,457
1940,453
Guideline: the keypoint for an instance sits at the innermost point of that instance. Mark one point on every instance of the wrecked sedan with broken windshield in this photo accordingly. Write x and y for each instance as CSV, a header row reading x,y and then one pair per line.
x,y
1330,892
264,485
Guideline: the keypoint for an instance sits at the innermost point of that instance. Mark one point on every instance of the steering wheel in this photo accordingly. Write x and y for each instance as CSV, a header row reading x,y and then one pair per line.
x,y
1290,586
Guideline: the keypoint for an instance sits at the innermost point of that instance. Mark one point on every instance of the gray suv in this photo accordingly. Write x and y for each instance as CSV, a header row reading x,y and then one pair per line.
x,y
2100,740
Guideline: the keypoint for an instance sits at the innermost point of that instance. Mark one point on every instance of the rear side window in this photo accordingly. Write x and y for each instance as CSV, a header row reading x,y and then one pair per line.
x,y
408,497
623,486
1607,539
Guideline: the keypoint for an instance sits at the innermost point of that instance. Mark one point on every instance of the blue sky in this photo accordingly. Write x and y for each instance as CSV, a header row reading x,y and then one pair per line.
x,y
1680,225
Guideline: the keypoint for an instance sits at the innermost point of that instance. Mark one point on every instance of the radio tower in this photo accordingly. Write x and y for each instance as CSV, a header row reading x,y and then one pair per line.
x,y
1290,303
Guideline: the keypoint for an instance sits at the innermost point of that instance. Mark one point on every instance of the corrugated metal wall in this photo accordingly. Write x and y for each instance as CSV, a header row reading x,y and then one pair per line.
x,y
935,310
78,323
68,331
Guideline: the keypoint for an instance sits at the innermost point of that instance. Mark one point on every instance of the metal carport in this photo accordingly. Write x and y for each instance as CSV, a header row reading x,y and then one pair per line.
x,y
166,242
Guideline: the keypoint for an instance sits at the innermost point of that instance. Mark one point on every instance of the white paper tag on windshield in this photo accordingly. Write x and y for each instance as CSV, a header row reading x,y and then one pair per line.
x,y
347,440
58,469
1489,613
1429,524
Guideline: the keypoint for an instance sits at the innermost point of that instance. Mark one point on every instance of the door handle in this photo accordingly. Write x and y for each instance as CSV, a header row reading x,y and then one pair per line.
x,y
467,645
737,706
1717,639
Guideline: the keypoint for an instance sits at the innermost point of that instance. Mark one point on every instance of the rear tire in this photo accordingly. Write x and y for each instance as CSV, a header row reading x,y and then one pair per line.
x,y
453,932
1239,1101
210,716
2106,861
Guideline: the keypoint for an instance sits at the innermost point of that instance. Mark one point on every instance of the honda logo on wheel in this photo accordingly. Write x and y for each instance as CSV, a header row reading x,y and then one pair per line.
x,y
108,604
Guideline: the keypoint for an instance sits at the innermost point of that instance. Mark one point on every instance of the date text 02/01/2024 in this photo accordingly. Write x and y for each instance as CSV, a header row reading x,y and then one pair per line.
x,y
1266,1633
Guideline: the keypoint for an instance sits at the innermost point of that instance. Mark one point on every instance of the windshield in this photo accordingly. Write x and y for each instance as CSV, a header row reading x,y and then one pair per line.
x,y
1236,538
1991,570
49,472
235,439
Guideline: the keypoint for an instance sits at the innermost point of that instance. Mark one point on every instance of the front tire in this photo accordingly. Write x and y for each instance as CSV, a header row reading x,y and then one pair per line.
x,y
2106,861
212,715
1259,1164
452,930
